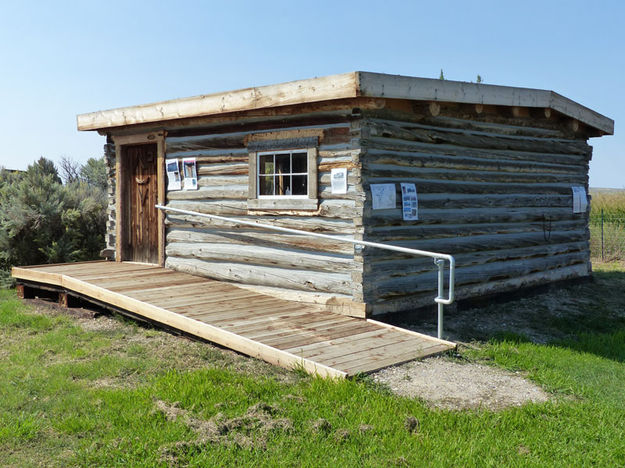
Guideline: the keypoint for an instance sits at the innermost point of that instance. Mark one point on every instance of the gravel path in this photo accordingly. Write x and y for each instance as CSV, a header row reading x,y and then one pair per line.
x,y
451,385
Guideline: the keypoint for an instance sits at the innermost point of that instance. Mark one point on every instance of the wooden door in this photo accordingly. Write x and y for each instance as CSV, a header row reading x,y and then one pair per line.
x,y
139,195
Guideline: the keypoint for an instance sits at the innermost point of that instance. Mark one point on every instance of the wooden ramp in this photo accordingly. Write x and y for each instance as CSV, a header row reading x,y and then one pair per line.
x,y
281,332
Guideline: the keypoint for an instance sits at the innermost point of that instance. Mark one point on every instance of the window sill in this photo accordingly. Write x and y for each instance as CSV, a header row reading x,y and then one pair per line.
x,y
282,204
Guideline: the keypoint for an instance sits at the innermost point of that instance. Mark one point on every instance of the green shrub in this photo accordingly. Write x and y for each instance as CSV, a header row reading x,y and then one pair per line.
x,y
44,221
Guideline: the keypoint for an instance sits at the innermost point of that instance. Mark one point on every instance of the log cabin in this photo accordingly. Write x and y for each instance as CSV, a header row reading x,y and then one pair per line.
x,y
496,176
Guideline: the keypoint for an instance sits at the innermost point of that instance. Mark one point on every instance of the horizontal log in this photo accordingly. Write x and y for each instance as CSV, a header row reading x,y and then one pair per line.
x,y
276,118
235,208
227,158
514,200
388,144
379,269
477,274
388,233
490,127
325,193
280,257
313,224
264,276
475,139
413,301
213,155
240,192
179,145
223,169
217,180
402,172
470,216
459,162
258,237
457,245
212,137
470,187
327,208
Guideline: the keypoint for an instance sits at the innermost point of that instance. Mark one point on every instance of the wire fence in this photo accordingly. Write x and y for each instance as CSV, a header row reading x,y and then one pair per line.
x,y
607,237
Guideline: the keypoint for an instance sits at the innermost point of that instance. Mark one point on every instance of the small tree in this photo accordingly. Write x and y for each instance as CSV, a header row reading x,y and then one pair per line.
x,y
44,221
442,75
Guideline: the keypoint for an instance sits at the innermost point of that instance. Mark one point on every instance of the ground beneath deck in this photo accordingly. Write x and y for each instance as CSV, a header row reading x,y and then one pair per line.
x,y
282,332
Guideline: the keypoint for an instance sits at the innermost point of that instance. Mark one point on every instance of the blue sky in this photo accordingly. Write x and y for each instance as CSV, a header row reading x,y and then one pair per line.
x,y
59,59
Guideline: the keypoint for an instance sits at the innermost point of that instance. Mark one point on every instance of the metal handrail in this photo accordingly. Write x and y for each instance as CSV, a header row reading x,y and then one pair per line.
x,y
439,258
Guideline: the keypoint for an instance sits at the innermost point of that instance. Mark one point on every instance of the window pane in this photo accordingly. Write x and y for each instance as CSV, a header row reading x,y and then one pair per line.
x,y
283,163
265,164
300,185
283,184
265,185
300,163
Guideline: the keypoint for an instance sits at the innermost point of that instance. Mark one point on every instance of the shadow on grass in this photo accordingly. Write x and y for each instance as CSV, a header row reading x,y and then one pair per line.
x,y
584,316
590,319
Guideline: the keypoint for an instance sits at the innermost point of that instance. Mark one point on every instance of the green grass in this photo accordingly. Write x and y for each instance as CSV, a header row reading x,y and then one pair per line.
x,y
123,395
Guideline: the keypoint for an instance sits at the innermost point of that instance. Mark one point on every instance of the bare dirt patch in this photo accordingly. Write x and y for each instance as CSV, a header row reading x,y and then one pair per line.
x,y
248,431
451,385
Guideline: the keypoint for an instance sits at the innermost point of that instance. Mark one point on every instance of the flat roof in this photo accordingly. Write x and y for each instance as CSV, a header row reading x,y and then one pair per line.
x,y
346,85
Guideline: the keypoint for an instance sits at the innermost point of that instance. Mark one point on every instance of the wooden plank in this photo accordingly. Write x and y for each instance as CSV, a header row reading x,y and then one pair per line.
x,y
229,308
203,330
371,366
352,349
286,340
415,334
37,276
318,348
326,88
163,278
53,265
391,347
222,314
175,289
265,324
200,299
119,274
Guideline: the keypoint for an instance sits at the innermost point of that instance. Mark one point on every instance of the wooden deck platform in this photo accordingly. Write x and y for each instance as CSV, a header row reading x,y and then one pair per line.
x,y
278,331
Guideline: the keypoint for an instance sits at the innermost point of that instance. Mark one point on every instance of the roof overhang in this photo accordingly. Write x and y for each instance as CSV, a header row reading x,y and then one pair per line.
x,y
344,86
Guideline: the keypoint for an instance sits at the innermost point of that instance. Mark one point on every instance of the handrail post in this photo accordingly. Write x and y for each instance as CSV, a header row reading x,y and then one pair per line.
x,y
440,263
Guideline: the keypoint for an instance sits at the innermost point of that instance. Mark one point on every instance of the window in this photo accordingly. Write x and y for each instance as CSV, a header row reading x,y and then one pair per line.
x,y
283,174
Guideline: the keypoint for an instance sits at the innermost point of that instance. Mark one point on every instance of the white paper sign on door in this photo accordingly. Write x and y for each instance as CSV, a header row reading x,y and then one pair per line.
x,y
410,204
173,175
383,196
190,174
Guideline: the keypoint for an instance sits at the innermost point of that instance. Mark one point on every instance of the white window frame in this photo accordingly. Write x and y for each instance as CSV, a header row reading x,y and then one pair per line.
x,y
283,202
291,174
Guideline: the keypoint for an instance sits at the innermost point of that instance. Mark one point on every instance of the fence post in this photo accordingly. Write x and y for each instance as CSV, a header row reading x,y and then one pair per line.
x,y
602,248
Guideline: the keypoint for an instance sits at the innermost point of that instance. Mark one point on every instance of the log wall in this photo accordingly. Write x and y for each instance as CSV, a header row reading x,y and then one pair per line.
x,y
109,159
497,197
290,266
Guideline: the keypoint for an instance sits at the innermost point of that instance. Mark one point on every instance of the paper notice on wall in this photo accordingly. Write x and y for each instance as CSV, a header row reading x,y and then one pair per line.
x,y
190,174
173,175
409,202
383,196
580,200
339,180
